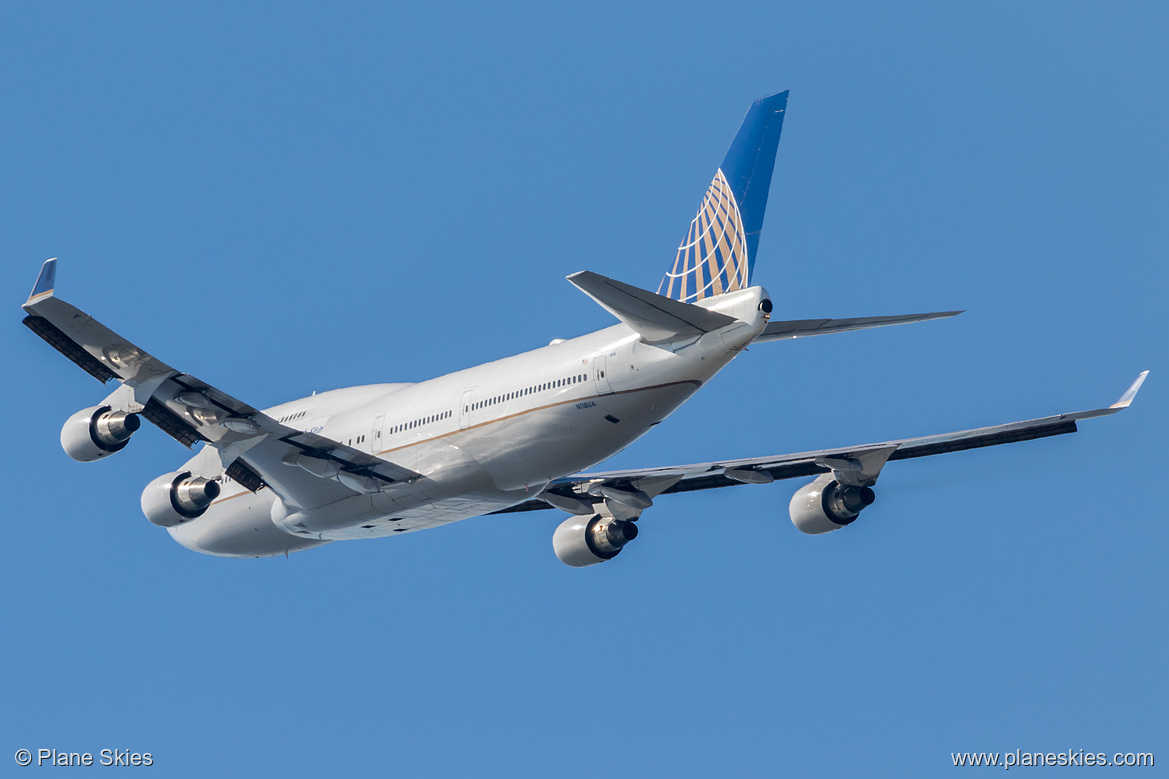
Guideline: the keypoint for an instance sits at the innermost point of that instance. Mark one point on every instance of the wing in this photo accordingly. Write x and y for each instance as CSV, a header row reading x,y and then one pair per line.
x,y
801,328
305,469
858,465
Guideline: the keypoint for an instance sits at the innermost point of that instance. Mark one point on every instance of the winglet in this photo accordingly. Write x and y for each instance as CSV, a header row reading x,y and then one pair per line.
x,y
1127,398
45,283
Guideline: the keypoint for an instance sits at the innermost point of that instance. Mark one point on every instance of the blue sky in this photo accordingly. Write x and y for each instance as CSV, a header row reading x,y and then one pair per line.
x,y
283,198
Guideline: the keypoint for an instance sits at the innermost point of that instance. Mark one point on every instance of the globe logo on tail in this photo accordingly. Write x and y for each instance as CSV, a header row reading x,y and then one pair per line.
x,y
713,258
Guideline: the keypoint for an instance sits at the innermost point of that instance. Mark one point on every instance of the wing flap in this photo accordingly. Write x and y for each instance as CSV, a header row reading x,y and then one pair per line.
x,y
349,459
114,354
241,472
56,338
172,424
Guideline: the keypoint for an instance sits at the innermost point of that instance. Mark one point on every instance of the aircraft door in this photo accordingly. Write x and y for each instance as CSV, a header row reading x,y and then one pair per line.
x,y
600,379
375,441
465,409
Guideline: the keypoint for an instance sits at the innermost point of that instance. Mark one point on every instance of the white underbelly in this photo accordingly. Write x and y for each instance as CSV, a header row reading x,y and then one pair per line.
x,y
488,467
532,449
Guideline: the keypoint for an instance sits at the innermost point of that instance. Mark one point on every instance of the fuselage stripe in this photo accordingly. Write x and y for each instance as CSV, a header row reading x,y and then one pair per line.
x,y
697,384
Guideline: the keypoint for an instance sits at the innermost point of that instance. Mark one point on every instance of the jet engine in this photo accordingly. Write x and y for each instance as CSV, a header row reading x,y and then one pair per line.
x,y
97,432
175,498
581,541
826,505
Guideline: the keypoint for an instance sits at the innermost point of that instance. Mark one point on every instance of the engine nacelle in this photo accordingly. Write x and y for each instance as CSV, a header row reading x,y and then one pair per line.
x,y
581,541
97,432
175,498
826,505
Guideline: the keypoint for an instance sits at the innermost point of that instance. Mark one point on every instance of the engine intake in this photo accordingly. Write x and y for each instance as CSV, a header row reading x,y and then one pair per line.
x,y
97,432
175,498
583,541
826,505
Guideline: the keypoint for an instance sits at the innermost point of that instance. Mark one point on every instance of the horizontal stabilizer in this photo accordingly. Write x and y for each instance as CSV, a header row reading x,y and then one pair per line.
x,y
799,328
656,318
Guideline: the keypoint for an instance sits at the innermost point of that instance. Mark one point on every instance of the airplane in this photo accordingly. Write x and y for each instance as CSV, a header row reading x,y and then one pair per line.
x,y
516,434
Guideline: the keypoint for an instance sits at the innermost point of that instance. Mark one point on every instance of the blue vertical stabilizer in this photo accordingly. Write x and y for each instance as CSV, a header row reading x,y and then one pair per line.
x,y
718,253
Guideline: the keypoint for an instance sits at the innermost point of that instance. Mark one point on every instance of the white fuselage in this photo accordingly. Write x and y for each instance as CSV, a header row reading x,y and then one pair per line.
x,y
484,438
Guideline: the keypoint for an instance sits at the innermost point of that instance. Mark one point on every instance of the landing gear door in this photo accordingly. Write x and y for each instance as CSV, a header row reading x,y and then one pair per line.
x,y
465,409
600,377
